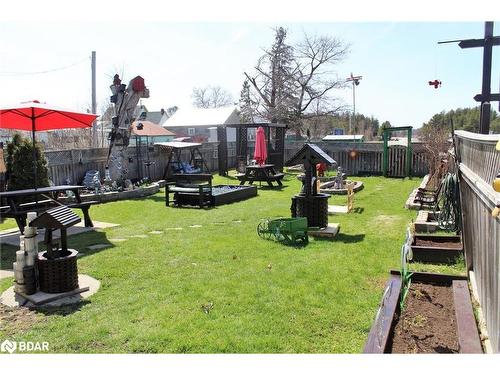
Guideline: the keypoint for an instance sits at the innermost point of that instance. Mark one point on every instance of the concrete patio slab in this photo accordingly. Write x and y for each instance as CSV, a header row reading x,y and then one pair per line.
x,y
6,273
329,232
88,286
11,236
332,210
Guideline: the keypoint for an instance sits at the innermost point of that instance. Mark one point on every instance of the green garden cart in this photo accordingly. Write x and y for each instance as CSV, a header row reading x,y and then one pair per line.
x,y
287,230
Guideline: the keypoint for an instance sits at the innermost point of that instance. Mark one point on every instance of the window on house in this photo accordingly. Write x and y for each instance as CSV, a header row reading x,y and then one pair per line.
x,y
191,131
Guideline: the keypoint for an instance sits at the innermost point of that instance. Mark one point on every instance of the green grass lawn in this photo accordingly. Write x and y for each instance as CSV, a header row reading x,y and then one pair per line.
x,y
265,297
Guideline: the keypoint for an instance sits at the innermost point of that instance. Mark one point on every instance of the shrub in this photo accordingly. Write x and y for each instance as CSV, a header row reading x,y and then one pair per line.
x,y
20,164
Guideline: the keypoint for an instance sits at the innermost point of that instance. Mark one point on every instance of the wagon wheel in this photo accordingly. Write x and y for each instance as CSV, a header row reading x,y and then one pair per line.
x,y
263,230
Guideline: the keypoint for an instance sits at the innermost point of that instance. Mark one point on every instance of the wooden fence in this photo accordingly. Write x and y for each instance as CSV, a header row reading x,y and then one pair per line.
x,y
71,165
367,159
478,164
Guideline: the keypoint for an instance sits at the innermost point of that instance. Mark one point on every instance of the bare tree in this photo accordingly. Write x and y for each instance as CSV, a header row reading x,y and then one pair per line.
x,y
295,83
273,80
211,97
436,144
315,80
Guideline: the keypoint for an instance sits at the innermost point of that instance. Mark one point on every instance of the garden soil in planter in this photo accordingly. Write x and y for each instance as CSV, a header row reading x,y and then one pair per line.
x,y
437,318
431,243
437,249
427,324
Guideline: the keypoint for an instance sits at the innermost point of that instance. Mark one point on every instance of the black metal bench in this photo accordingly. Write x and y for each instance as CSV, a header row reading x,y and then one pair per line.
x,y
190,190
428,197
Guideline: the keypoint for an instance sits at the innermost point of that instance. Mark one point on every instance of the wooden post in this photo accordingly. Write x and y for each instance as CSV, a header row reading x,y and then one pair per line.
x,y
386,153
94,100
484,123
409,154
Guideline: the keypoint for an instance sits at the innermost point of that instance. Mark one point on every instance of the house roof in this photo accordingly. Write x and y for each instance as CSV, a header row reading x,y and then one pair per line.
x,y
344,138
178,144
310,152
192,117
154,116
150,129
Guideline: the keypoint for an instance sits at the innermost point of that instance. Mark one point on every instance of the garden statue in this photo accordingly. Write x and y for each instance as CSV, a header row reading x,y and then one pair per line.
x,y
339,179
125,100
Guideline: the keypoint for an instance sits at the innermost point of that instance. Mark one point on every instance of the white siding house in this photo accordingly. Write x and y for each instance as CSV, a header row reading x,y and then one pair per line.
x,y
200,124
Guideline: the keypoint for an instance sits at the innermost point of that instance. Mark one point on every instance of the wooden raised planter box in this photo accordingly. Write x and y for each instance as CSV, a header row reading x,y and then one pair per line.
x,y
435,322
224,194
426,222
436,249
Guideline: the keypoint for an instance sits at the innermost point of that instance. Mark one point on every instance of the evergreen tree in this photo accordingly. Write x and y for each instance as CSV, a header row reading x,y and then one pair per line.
x,y
463,119
385,125
20,174
247,104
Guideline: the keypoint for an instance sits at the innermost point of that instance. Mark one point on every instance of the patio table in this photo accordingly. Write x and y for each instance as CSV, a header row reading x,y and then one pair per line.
x,y
261,173
43,198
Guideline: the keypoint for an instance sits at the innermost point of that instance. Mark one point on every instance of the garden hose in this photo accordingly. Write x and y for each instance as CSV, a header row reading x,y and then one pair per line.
x,y
449,215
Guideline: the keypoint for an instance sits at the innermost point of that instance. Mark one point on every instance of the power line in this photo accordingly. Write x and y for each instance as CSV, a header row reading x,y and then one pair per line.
x,y
13,74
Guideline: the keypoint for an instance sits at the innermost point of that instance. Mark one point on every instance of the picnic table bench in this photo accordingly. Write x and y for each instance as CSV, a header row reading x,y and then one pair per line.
x,y
17,208
190,189
261,173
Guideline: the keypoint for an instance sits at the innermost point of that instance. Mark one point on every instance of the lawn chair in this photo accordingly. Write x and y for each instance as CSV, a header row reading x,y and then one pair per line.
x,y
429,197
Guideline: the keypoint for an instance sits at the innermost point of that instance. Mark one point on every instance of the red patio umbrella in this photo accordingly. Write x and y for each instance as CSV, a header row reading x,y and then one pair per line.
x,y
34,116
260,153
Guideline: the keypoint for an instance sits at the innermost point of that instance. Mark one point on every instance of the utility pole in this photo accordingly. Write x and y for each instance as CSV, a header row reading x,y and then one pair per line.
x,y
486,96
355,81
94,101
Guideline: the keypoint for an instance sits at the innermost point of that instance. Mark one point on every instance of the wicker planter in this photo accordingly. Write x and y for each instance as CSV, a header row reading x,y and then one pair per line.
x,y
314,208
60,274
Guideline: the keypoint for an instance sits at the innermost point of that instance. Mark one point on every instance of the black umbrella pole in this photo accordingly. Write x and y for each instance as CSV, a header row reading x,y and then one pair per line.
x,y
34,150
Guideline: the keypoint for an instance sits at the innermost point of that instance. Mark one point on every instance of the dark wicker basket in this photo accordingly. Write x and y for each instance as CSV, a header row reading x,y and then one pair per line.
x,y
58,275
314,207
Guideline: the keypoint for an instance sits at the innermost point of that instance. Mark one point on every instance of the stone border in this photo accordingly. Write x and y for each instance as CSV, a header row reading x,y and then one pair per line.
x,y
410,202
423,224
358,185
119,195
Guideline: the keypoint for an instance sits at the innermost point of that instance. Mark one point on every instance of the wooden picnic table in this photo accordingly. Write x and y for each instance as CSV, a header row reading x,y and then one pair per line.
x,y
261,173
41,199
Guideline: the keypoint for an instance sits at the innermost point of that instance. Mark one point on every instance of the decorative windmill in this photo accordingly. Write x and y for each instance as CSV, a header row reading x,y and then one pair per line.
x,y
125,101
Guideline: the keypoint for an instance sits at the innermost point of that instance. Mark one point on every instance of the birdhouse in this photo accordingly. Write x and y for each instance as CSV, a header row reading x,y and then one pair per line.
x,y
138,84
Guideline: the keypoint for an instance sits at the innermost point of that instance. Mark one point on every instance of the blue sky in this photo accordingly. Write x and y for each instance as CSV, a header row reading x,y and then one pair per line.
x,y
396,59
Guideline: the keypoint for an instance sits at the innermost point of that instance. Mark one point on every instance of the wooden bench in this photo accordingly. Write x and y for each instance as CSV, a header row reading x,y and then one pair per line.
x,y
84,206
274,178
20,215
190,190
